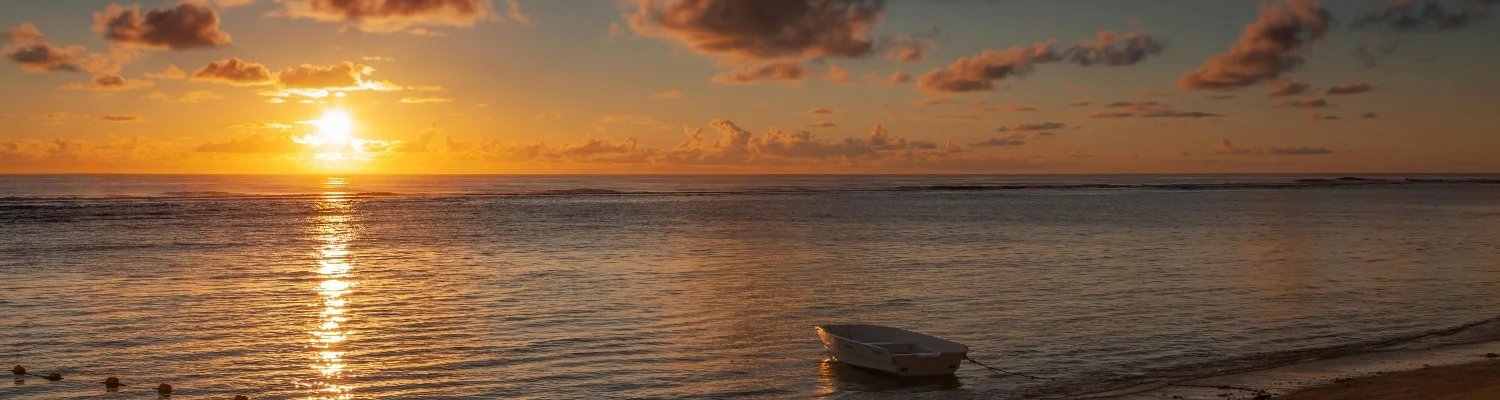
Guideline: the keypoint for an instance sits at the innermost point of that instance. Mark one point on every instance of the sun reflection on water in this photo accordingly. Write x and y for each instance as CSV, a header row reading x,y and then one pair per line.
x,y
334,230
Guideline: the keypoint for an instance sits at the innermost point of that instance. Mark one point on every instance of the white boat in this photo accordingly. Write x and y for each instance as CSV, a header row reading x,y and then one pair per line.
x,y
892,350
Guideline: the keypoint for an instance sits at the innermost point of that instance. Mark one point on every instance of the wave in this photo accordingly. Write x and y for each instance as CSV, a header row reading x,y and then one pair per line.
x,y
1304,183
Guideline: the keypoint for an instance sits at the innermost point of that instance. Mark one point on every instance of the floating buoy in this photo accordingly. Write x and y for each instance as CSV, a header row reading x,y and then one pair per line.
x,y
18,370
54,376
164,389
112,383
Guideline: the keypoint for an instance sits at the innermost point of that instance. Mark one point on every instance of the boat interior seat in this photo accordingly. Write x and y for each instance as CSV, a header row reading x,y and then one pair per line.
x,y
898,347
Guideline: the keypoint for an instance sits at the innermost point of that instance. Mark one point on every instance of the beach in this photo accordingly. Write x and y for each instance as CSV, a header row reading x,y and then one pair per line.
x,y
1473,381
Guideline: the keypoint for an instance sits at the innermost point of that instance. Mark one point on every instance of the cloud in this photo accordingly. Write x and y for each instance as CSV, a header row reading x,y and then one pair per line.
x,y
931,102
1146,109
279,143
35,54
1302,103
1299,151
839,75
1352,88
233,3
790,73
191,96
947,116
172,72
1288,88
1083,103
979,72
1227,148
32,155
1114,49
999,142
820,111
110,82
1424,16
425,100
550,115
187,25
1222,96
262,125
1011,108
64,116
1032,127
345,75
407,16
824,124
667,95
1370,115
907,48
234,71
1316,117
762,30
1268,48
899,77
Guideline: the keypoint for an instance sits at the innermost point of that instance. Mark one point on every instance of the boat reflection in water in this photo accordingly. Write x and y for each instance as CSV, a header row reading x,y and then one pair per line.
x,y
837,377
333,229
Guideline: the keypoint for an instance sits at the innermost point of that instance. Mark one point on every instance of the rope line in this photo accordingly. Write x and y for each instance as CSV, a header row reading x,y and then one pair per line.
x,y
997,370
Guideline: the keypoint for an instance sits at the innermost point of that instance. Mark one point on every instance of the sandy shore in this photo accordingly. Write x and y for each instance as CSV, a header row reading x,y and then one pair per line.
x,y
1475,381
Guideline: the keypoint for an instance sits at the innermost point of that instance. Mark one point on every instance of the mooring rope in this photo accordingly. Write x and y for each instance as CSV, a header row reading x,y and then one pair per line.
x,y
997,370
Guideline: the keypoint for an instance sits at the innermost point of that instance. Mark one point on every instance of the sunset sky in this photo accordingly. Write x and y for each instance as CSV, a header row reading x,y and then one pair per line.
x,y
775,86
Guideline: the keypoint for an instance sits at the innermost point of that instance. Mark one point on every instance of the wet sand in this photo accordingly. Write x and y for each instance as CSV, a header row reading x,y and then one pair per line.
x,y
1474,381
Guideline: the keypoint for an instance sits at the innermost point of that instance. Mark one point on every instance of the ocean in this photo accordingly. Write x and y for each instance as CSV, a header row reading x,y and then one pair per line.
x,y
586,287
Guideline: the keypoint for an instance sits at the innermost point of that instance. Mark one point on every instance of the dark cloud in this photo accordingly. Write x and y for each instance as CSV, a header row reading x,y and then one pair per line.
x,y
234,71
762,29
1010,108
1222,97
1146,109
1302,103
1370,115
1317,117
931,102
824,124
65,116
187,25
35,54
1032,127
1299,151
408,16
787,72
1288,88
1423,16
1114,49
999,142
820,111
1352,88
110,82
1083,103
1269,47
979,72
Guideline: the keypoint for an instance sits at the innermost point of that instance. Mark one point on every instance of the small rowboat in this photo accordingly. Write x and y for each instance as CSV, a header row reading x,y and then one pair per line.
x,y
892,350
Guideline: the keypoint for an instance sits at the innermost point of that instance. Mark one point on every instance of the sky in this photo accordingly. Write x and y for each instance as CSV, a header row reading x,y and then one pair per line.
x,y
726,86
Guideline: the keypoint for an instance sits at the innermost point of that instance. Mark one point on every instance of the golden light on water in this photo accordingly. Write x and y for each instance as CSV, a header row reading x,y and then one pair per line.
x,y
334,231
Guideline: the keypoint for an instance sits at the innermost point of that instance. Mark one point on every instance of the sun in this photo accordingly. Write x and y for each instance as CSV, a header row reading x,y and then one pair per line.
x,y
335,127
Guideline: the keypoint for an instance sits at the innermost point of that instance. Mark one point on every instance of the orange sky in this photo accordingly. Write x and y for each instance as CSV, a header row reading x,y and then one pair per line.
x,y
714,86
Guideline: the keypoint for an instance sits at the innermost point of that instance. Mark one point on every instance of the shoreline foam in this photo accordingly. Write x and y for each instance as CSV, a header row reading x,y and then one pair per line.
x,y
1304,377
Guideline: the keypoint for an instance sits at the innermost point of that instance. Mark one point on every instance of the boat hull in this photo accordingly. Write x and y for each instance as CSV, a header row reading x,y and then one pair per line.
x,y
889,361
